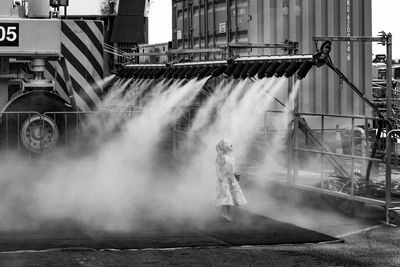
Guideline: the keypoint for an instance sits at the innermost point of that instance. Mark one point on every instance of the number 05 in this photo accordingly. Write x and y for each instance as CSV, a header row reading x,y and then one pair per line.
x,y
11,34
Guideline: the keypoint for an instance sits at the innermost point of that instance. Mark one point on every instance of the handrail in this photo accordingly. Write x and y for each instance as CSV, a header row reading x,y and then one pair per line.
x,y
388,177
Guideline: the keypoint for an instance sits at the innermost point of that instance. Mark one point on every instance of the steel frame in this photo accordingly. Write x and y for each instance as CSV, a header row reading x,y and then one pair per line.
x,y
387,203
386,40
292,176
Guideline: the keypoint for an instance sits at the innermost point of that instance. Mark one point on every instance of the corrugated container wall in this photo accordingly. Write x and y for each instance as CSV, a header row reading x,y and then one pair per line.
x,y
207,24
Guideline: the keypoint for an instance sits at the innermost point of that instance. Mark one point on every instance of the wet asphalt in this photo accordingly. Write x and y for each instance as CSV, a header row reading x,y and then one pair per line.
x,y
363,240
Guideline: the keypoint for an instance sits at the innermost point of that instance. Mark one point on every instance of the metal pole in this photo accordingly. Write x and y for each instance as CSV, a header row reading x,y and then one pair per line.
x,y
294,147
265,133
389,116
388,181
322,151
352,159
291,153
290,156
389,83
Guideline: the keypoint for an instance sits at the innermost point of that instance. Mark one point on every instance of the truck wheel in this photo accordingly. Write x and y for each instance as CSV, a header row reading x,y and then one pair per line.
x,y
32,123
39,133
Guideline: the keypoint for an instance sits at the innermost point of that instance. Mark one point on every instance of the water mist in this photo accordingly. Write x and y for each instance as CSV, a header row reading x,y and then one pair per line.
x,y
128,180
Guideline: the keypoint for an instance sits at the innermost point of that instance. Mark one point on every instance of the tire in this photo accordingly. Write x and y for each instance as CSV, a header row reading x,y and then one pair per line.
x,y
24,122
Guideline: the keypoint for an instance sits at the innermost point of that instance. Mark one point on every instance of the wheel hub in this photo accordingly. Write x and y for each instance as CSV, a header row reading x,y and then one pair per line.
x,y
39,133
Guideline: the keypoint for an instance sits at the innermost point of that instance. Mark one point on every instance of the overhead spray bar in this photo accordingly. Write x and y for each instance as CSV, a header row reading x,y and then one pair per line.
x,y
235,66
240,67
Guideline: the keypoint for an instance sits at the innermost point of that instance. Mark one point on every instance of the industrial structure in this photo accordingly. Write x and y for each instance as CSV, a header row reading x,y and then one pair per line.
x,y
53,64
57,71
261,39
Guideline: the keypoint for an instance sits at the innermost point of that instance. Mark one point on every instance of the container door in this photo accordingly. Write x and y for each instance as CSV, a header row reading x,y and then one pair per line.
x,y
239,20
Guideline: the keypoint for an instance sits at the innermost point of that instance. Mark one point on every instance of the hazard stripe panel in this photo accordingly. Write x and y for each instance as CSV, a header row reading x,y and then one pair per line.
x,y
82,46
91,34
61,87
77,37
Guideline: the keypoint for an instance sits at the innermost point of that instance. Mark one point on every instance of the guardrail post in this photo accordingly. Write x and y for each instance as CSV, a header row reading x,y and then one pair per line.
x,y
289,156
291,151
294,151
388,182
352,157
322,150
389,115
41,133
7,136
18,134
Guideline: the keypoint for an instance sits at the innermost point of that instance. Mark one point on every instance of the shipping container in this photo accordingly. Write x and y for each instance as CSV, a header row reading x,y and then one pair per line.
x,y
211,24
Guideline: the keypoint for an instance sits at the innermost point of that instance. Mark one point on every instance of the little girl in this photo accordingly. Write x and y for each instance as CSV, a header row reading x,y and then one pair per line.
x,y
228,189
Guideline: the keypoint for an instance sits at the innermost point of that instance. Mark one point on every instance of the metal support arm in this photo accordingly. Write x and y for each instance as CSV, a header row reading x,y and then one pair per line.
x,y
355,89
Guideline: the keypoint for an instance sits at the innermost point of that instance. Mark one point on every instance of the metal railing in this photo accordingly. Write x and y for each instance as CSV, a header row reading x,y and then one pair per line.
x,y
338,149
357,187
11,124
29,134
390,206
339,156
84,130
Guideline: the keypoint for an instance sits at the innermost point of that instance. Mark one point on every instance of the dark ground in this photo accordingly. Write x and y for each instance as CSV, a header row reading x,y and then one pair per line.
x,y
361,240
248,229
378,247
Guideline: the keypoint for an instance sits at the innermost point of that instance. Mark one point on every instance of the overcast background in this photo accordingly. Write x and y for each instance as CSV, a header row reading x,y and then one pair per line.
x,y
385,15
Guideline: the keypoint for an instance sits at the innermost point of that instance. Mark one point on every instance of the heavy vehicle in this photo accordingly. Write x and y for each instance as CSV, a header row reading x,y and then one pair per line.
x,y
53,62
47,65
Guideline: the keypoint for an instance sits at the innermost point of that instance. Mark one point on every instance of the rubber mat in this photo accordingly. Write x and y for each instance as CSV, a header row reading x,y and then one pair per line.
x,y
253,229
247,229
